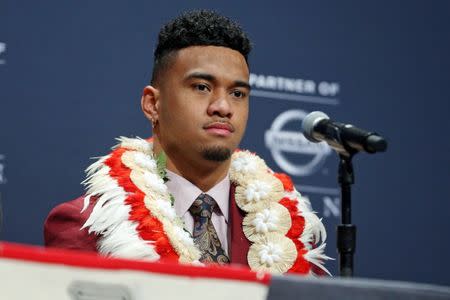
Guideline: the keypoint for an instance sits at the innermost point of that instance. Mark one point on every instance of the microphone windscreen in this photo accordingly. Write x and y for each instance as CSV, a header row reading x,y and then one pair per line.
x,y
310,121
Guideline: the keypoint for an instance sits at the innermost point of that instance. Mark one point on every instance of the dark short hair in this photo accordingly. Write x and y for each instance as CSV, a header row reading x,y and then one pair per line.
x,y
198,28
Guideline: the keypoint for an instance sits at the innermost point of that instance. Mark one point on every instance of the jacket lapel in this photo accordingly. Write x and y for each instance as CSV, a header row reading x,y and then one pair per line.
x,y
238,244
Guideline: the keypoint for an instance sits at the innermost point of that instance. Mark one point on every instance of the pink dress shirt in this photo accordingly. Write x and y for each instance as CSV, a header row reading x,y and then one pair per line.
x,y
185,194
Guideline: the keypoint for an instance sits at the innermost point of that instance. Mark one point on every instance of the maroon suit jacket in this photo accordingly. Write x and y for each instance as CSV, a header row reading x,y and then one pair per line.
x,y
62,229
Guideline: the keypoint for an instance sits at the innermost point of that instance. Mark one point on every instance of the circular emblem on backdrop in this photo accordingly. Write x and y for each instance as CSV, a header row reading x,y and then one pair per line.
x,y
2,50
283,142
2,169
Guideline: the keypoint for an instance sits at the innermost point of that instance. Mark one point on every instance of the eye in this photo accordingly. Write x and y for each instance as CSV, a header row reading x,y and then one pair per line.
x,y
239,94
201,87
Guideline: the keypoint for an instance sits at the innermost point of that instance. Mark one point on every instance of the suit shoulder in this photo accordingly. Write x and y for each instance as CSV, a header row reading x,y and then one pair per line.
x,y
62,227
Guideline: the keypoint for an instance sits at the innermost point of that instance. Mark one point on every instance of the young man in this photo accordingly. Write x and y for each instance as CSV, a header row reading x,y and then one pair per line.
x,y
188,194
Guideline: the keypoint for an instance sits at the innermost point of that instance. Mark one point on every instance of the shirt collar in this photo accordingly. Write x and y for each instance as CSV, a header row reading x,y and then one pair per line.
x,y
185,193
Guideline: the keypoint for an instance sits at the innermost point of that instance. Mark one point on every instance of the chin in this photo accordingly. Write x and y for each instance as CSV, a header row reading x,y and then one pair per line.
x,y
216,153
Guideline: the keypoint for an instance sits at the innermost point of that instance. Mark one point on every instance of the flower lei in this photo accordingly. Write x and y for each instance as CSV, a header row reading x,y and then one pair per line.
x,y
135,217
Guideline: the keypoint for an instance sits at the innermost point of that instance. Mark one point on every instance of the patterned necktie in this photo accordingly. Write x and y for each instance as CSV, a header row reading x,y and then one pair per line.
x,y
205,235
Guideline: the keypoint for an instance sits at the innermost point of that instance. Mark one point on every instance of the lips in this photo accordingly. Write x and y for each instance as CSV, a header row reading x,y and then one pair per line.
x,y
219,128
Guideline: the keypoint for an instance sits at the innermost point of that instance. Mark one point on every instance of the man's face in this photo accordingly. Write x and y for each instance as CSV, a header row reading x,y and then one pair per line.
x,y
203,103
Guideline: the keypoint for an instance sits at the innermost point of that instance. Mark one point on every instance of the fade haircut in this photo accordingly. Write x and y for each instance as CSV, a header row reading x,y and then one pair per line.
x,y
197,28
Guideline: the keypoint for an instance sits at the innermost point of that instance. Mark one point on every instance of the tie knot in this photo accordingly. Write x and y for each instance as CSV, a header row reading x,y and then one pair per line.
x,y
203,206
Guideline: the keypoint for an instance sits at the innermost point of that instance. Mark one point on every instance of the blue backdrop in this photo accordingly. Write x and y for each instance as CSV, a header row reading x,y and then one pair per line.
x,y
71,74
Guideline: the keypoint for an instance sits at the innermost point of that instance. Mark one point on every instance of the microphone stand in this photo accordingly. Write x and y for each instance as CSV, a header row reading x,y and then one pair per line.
x,y
346,232
1,214
346,140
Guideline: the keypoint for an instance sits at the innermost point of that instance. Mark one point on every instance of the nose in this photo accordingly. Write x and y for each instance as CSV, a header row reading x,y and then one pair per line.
x,y
220,106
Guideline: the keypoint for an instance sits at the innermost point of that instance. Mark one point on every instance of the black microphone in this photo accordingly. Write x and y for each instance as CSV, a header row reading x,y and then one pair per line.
x,y
344,138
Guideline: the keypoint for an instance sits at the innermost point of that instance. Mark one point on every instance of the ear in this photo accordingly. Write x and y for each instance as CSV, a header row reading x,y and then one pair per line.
x,y
150,103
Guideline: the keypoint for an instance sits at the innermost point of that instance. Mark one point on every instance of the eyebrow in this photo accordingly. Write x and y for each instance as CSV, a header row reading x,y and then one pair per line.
x,y
209,77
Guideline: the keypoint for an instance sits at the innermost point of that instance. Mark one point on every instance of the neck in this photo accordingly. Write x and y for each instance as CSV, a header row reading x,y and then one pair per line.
x,y
202,173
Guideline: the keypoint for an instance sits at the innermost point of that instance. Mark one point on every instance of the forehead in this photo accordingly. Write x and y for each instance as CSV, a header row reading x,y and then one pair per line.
x,y
221,62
